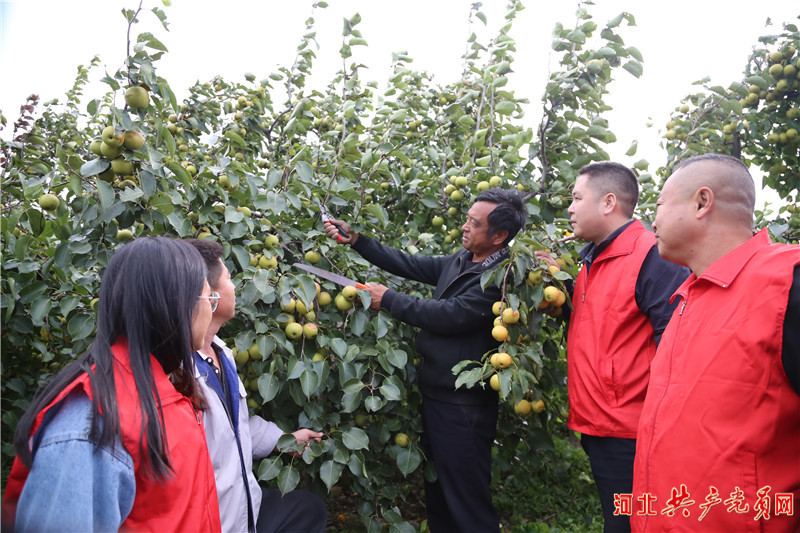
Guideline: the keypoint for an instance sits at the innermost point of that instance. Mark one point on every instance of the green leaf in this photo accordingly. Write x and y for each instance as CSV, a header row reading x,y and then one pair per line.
x,y
305,171
505,107
637,55
241,255
760,82
165,134
576,36
39,309
149,40
613,23
355,439
295,368
598,132
392,388
94,167
162,203
180,173
268,387
381,325
605,52
107,195
402,157
408,459
398,116
330,472
374,403
269,468
634,67
397,358
80,326
309,381
68,303
352,386
339,347
236,138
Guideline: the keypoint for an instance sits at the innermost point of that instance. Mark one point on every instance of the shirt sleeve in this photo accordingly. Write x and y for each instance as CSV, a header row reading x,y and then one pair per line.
x,y
791,334
657,281
446,316
264,436
422,268
73,485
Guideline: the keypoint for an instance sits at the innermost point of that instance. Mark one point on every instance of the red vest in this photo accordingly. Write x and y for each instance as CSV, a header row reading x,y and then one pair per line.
x,y
187,501
610,341
720,427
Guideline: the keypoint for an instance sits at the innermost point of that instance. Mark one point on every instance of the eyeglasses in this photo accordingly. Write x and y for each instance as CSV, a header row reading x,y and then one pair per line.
x,y
214,299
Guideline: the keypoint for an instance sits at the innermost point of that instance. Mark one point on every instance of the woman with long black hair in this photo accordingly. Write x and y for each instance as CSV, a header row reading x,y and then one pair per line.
x,y
115,440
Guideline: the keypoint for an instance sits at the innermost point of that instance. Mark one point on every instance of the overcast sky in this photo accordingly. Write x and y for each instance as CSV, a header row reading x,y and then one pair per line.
x,y
43,41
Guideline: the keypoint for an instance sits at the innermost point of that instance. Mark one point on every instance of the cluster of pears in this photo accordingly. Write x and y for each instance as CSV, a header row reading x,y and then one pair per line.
x,y
265,260
553,298
506,316
110,146
344,300
296,330
308,329
112,142
502,360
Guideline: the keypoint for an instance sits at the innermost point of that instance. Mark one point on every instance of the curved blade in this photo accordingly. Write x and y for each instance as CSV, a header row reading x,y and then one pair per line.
x,y
330,276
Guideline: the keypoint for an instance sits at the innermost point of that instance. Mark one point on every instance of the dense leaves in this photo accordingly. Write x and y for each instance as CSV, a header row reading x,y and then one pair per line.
x,y
756,118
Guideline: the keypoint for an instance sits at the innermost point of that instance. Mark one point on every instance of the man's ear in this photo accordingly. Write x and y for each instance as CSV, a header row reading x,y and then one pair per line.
x,y
704,201
499,237
608,203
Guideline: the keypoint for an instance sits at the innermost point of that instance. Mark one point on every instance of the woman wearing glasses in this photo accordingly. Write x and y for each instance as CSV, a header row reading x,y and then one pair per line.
x,y
115,440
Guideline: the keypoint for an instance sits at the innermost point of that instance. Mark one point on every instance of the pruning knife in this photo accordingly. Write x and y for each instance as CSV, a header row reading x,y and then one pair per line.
x,y
330,276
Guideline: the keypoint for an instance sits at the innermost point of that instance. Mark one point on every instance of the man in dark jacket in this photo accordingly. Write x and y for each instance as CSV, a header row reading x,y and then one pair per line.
x,y
455,325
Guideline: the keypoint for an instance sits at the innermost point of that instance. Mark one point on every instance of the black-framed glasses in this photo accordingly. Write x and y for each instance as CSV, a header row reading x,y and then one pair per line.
x,y
214,299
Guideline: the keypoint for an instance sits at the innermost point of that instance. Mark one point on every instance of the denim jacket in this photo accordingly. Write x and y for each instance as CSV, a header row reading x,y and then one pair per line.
x,y
73,486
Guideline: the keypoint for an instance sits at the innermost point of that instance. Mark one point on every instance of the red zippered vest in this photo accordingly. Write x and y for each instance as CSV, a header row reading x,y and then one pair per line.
x,y
720,426
610,341
186,501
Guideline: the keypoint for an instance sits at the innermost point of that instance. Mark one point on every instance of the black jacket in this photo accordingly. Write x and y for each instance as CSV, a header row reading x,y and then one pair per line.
x,y
455,324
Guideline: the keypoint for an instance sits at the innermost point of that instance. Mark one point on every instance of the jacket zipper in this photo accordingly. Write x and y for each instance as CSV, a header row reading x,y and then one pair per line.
x,y
660,403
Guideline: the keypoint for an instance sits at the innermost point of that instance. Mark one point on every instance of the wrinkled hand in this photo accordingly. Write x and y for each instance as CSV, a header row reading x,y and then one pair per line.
x,y
545,255
376,291
333,232
303,436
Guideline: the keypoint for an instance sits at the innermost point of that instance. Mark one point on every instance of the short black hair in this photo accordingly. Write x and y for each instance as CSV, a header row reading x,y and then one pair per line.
x,y
211,252
509,215
610,177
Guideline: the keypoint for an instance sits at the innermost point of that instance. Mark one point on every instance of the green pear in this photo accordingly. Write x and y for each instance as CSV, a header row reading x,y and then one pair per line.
x,y
133,140
121,167
112,138
49,202
110,152
95,147
137,97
